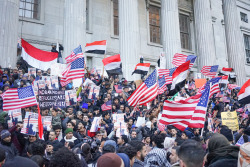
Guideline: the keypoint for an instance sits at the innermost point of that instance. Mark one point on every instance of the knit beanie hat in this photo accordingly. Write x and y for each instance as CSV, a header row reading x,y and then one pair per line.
x,y
4,134
109,159
85,105
68,130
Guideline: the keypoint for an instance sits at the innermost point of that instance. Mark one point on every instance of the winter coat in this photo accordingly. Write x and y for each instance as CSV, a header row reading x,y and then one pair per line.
x,y
10,151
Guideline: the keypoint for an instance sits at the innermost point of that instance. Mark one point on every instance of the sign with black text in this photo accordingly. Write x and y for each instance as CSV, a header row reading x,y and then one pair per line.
x,y
51,98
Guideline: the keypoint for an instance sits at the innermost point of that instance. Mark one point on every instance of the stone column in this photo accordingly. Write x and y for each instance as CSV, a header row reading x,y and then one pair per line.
x,y
204,33
74,25
171,39
8,32
235,45
129,37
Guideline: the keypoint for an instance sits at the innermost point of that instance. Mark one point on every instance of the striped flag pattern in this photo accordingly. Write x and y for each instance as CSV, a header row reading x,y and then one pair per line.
x,y
106,106
232,86
97,47
179,59
15,98
214,86
162,85
167,73
146,92
189,112
209,71
75,70
76,53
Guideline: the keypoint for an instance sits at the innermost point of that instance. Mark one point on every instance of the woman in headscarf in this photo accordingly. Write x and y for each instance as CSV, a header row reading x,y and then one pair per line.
x,y
244,155
221,153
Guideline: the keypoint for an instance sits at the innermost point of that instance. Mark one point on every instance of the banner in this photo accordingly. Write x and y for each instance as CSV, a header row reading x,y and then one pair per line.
x,y
15,117
30,124
200,82
230,120
70,97
51,82
49,98
95,124
46,120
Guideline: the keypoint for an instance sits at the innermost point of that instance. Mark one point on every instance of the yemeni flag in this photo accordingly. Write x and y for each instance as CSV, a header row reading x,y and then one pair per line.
x,y
226,71
179,78
224,79
113,65
142,68
97,47
244,94
38,58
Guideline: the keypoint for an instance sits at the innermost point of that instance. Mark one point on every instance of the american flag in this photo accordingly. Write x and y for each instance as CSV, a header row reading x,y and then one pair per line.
x,y
186,112
106,106
15,98
214,86
209,71
240,141
179,59
75,71
161,126
146,92
76,53
118,88
198,118
233,86
162,85
167,73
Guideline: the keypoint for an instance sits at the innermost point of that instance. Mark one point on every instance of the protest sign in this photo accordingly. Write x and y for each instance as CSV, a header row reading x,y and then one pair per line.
x,y
57,69
94,92
49,98
210,124
95,124
77,82
230,120
118,118
70,97
46,120
15,117
140,121
30,124
200,82
122,129
41,84
31,71
51,82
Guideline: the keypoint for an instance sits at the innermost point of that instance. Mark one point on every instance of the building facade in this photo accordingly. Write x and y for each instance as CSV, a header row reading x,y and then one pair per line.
x,y
217,31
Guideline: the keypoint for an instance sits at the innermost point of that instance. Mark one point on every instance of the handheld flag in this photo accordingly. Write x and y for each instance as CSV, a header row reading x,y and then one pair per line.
x,y
209,71
113,65
244,94
142,68
97,47
76,53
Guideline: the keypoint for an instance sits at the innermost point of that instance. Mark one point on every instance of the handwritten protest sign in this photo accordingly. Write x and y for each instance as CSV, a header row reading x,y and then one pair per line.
x,y
230,120
70,97
118,118
30,124
15,117
46,120
95,124
49,98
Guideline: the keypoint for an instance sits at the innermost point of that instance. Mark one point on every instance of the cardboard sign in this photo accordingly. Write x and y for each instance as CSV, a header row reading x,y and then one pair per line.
x,y
230,120
30,124
49,98
15,117
200,82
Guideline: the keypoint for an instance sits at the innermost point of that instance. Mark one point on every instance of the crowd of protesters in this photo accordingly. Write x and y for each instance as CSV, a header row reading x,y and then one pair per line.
x,y
70,143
